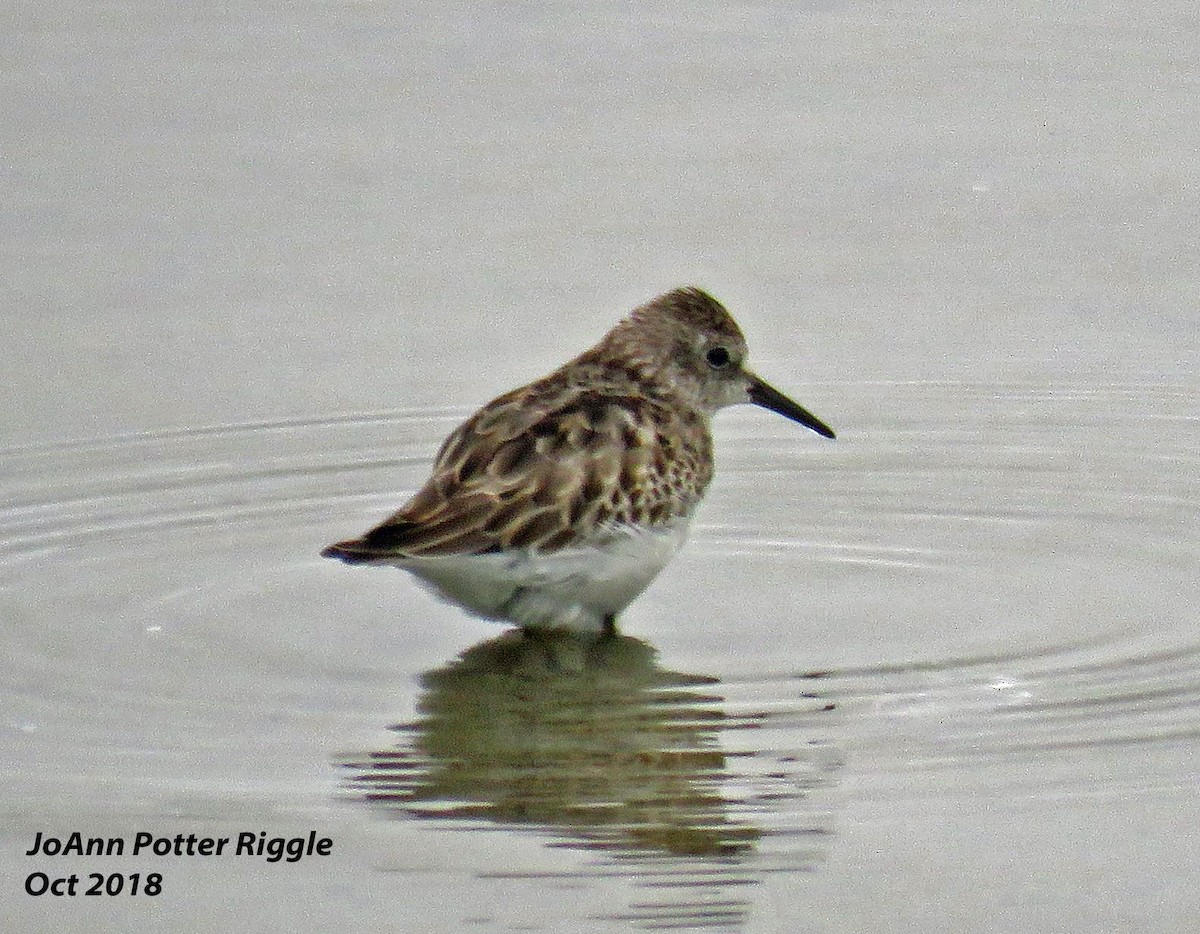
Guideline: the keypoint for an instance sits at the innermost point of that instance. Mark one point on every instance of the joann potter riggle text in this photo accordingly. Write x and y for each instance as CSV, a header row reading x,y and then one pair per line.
x,y
248,843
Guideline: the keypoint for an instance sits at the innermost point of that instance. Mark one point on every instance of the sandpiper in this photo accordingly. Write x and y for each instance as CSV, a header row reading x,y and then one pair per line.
x,y
558,503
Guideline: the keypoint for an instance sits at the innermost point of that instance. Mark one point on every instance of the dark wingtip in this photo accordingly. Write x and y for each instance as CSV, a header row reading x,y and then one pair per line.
x,y
384,537
351,552
382,542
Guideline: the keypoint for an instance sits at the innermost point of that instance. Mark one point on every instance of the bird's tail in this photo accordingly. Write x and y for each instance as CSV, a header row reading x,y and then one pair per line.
x,y
352,551
386,542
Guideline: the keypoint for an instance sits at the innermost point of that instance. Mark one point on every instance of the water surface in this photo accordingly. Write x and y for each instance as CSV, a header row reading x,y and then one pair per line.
x,y
983,606
939,675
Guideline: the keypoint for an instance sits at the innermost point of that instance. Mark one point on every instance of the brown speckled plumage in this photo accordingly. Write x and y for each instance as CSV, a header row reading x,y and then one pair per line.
x,y
617,439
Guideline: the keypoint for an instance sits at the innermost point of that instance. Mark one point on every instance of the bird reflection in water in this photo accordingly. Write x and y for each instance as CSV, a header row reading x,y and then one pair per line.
x,y
587,739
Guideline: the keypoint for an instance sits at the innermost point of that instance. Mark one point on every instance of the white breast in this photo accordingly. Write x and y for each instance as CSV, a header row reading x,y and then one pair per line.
x,y
576,587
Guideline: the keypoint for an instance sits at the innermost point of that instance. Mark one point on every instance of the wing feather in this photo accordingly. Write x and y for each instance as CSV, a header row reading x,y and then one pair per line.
x,y
535,470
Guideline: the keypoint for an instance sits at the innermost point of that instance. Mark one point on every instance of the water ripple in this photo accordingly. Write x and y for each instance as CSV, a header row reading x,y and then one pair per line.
x,y
984,584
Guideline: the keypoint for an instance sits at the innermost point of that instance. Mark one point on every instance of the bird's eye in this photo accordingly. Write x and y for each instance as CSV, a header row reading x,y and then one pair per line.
x,y
718,358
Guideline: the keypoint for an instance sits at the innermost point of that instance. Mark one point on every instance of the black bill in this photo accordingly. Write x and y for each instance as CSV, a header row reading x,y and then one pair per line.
x,y
770,398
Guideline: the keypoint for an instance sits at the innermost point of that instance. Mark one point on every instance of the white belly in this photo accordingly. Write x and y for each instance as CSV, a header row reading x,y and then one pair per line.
x,y
576,588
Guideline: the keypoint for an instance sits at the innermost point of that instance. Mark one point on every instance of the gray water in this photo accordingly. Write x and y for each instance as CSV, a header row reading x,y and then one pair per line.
x,y
942,674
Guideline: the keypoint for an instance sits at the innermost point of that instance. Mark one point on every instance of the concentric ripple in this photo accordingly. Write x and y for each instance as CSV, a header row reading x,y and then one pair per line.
x,y
989,585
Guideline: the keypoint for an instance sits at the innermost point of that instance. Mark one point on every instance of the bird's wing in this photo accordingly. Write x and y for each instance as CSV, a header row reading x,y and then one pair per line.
x,y
531,472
